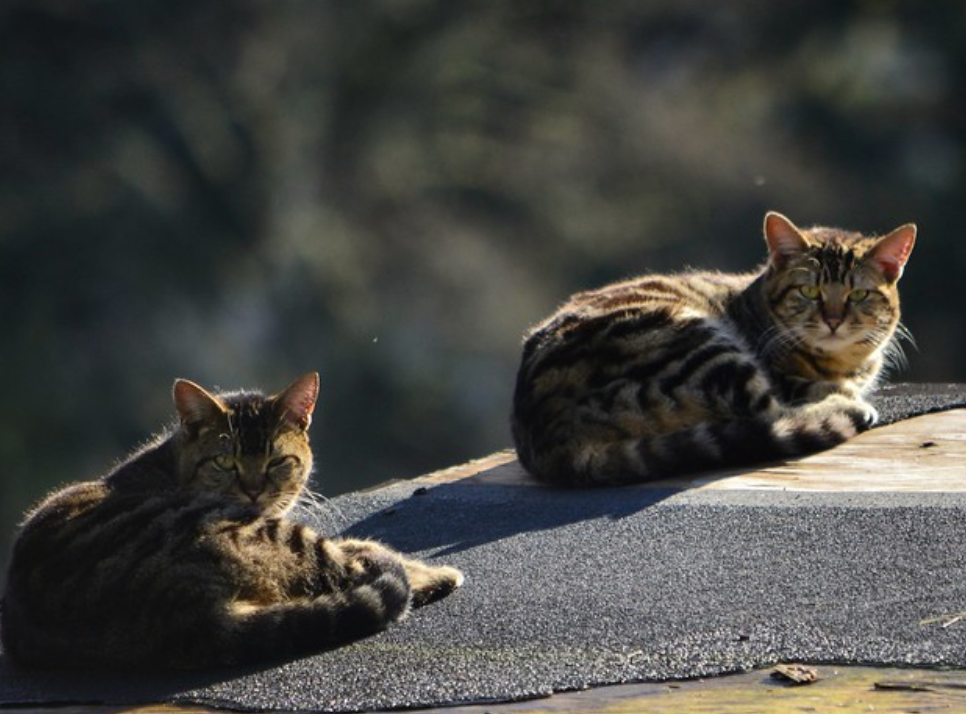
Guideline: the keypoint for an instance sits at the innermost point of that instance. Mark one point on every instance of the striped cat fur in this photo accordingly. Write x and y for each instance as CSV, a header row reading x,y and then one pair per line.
x,y
670,374
182,557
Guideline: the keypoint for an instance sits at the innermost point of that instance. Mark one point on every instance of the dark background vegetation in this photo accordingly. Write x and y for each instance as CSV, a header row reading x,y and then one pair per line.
x,y
391,191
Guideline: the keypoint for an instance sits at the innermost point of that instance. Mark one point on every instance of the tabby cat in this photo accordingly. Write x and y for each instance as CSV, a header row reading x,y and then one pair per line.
x,y
182,556
669,374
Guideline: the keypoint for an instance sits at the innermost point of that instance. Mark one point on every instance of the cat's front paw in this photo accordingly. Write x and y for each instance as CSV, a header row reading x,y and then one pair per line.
x,y
431,582
862,414
871,414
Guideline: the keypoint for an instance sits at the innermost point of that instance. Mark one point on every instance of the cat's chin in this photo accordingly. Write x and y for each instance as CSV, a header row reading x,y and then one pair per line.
x,y
833,342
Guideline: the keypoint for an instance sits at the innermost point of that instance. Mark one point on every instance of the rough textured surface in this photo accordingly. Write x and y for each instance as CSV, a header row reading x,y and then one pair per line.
x,y
568,589
902,401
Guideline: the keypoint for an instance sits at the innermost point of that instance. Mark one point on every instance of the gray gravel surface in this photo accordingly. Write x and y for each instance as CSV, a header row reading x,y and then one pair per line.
x,y
570,589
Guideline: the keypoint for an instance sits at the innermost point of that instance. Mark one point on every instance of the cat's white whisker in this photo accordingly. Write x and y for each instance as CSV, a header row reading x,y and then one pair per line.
x,y
321,512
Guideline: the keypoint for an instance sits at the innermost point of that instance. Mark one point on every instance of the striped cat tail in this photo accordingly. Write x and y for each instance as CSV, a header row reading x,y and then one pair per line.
x,y
793,432
369,605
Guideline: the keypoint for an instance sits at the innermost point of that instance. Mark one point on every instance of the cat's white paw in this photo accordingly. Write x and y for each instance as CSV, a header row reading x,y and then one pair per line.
x,y
862,414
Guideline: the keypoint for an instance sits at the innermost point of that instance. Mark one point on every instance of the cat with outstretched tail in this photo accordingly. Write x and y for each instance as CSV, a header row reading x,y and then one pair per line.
x,y
183,557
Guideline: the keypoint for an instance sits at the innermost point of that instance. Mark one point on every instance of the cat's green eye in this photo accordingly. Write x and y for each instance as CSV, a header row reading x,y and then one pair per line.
x,y
858,295
225,462
812,292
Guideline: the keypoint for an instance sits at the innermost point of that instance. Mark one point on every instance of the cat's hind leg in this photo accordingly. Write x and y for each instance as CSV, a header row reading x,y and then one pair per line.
x,y
372,592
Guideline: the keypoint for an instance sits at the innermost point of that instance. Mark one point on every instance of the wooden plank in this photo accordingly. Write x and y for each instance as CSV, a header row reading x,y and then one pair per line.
x,y
927,453
924,454
838,689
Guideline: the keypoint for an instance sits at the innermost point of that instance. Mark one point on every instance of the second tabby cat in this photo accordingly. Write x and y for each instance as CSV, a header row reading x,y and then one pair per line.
x,y
668,374
182,556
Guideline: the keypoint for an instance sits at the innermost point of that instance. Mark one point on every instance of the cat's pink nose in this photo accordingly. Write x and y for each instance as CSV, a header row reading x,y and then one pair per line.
x,y
833,323
253,492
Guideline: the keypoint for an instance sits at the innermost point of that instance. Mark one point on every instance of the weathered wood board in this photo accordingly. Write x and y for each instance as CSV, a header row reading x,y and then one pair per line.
x,y
848,690
923,454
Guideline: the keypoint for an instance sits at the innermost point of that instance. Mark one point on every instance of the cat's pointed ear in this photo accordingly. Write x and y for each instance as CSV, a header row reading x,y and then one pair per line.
x,y
891,252
297,401
195,406
784,238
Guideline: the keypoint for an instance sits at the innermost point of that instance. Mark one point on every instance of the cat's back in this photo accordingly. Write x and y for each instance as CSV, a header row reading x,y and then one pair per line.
x,y
66,530
89,560
696,289
633,312
63,508
45,552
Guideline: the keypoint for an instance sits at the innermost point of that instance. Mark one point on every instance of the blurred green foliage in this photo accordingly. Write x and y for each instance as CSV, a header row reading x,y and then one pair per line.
x,y
391,191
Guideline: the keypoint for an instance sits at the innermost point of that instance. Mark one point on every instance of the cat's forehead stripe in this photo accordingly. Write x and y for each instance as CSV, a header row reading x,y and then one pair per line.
x,y
252,422
837,261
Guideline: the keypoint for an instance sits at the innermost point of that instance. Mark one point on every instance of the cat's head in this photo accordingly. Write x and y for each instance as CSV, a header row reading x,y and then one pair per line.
x,y
245,445
835,291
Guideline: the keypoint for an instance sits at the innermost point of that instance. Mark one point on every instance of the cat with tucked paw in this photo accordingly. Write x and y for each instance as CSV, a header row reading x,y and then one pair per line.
x,y
183,557
664,375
